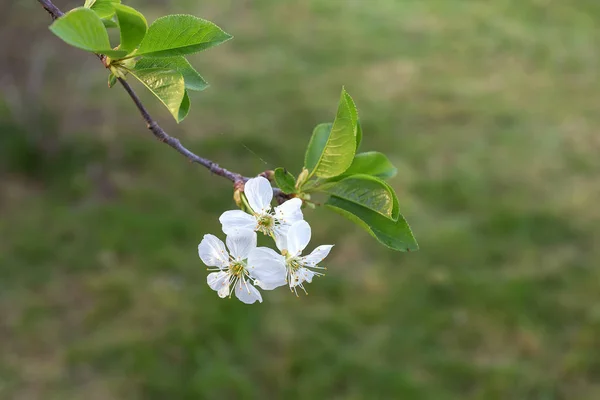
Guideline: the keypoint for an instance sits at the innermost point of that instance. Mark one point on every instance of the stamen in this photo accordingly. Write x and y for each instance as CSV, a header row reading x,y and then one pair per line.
x,y
246,283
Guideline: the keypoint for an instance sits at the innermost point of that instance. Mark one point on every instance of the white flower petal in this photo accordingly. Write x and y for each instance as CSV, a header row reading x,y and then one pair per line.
x,y
224,291
305,274
289,212
281,232
298,237
216,280
300,276
259,194
212,252
241,243
236,220
267,267
246,292
294,279
317,255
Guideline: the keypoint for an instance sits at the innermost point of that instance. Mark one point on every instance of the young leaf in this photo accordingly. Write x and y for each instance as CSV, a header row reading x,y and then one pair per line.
x,y
285,181
176,35
369,192
104,8
132,25
167,85
330,154
372,163
82,28
317,143
359,134
193,80
355,121
394,234
110,23
184,108
112,79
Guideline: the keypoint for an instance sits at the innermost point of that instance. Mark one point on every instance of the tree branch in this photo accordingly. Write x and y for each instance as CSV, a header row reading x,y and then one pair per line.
x,y
160,134
175,143
51,8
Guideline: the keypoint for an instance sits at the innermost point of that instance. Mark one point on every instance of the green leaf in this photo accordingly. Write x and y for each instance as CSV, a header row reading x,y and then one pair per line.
x,y
330,154
394,234
369,192
285,181
167,85
316,145
104,8
372,163
359,134
176,35
355,121
184,108
82,28
110,23
114,54
351,106
193,80
132,26
112,79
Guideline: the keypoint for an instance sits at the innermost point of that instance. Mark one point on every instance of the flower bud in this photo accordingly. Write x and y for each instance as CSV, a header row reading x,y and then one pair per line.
x,y
302,178
269,174
237,197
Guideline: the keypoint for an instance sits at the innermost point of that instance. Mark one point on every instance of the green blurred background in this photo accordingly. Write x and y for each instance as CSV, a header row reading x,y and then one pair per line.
x,y
489,109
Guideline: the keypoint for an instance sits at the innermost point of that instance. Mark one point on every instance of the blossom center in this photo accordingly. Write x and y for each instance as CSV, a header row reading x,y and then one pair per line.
x,y
265,223
293,264
237,268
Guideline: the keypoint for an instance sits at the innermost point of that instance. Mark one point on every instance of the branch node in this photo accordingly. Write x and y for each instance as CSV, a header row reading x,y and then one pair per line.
x,y
238,185
268,174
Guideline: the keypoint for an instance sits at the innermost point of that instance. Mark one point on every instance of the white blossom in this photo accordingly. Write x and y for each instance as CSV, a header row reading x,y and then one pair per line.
x,y
265,219
233,272
299,269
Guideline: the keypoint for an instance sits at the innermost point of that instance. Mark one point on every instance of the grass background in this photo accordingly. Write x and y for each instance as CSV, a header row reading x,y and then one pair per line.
x,y
489,109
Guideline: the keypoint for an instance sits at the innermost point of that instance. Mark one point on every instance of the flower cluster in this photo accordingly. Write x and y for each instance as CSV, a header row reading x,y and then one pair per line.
x,y
246,266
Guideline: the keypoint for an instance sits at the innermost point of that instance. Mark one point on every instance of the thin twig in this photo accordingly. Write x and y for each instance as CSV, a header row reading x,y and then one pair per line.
x,y
175,143
159,133
51,8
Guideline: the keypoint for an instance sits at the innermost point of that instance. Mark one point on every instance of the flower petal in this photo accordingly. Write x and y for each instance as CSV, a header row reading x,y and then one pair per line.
x,y
241,243
259,194
216,280
246,292
300,276
212,252
317,255
236,220
305,274
267,267
289,212
281,232
224,291
298,237
294,279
